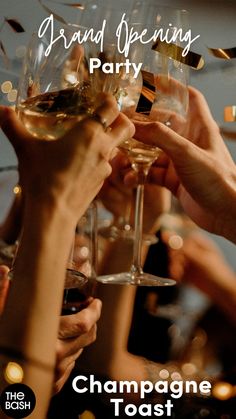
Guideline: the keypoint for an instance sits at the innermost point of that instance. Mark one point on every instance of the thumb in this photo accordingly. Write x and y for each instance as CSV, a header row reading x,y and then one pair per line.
x,y
13,128
181,151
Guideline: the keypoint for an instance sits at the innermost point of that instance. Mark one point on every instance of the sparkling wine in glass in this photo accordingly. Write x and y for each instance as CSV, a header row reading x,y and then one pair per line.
x,y
164,98
54,91
54,94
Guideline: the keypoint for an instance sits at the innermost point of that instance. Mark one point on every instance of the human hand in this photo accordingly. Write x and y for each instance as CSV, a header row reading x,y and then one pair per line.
x,y
4,286
198,170
201,263
116,196
76,331
71,170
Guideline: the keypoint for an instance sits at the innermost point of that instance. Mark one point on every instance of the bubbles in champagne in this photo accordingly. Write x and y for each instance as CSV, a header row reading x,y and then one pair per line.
x,y
50,115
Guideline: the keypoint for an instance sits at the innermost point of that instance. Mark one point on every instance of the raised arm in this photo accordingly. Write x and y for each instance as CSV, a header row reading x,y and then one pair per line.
x,y
60,179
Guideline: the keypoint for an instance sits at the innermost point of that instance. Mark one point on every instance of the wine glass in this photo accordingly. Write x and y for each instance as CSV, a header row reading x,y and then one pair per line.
x,y
164,98
122,228
176,224
51,99
92,16
54,94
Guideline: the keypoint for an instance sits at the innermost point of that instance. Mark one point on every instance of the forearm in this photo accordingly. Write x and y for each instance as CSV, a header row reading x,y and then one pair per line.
x,y
113,329
29,325
10,228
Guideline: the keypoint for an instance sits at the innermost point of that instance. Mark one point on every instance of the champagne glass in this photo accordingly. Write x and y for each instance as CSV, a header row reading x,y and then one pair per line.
x,y
164,98
51,99
121,227
54,94
57,90
81,285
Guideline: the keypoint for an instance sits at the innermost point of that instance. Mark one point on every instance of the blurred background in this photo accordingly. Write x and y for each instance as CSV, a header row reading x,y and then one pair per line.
x,y
213,20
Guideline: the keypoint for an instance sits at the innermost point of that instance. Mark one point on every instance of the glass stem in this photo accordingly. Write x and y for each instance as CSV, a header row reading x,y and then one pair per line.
x,y
124,220
136,268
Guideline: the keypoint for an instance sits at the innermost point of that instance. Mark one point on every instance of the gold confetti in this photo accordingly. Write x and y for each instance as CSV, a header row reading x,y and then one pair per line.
x,y
229,134
148,93
225,53
173,51
230,113
55,15
15,25
75,5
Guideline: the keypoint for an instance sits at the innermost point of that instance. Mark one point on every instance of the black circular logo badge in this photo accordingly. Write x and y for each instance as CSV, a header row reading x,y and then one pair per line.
x,y
17,401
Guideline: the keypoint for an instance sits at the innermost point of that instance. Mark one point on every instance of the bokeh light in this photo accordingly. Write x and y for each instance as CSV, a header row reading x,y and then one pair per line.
x,y
223,390
12,95
6,86
175,242
13,373
164,374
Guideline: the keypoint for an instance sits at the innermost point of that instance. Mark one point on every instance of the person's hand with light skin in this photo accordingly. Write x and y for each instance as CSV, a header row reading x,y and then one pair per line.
x,y
76,331
201,263
97,146
199,170
115,195
60,179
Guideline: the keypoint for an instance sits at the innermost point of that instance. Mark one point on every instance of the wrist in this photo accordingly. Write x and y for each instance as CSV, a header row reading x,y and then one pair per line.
x,y
46,239
49,208
38,276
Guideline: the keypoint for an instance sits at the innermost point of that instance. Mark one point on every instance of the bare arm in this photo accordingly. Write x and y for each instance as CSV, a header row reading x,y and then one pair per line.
x,y
202,264
59,181
10,228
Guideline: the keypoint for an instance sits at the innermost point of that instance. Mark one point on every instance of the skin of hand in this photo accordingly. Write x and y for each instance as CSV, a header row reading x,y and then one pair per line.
x,y
115,195
201,263
59,179
76,331
94,149
198,170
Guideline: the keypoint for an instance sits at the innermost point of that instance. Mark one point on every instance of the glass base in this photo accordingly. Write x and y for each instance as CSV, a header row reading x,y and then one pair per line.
x,y
142,279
